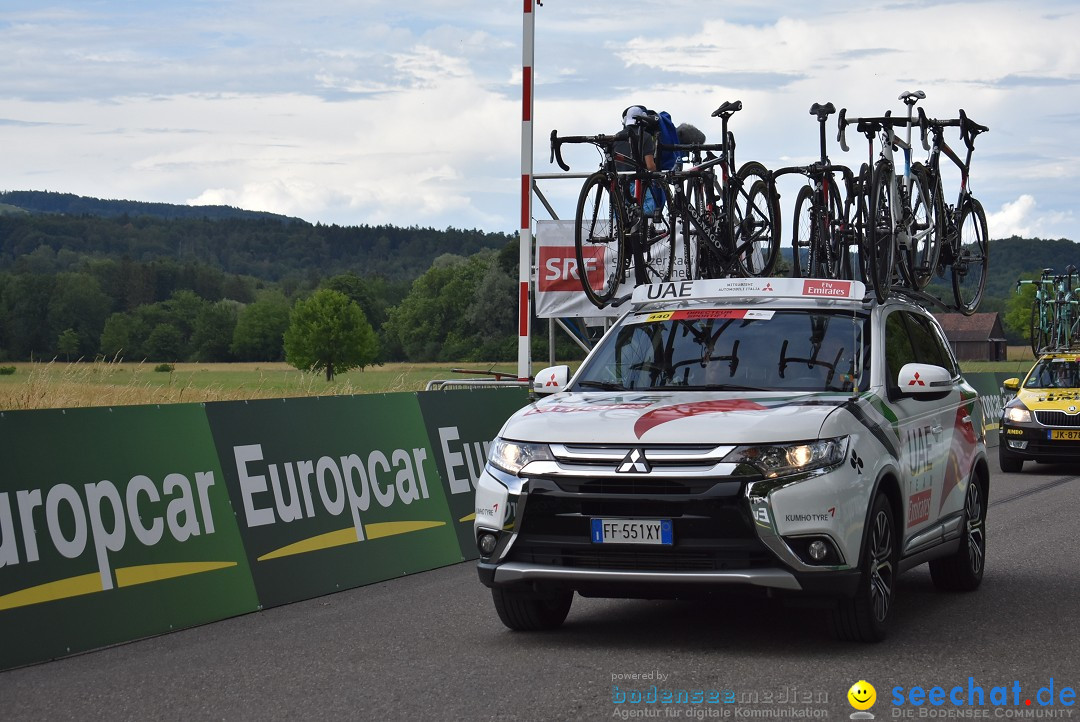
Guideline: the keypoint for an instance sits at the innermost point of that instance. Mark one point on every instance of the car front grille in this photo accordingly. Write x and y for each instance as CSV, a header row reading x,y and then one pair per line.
x,y
712,527
1057,418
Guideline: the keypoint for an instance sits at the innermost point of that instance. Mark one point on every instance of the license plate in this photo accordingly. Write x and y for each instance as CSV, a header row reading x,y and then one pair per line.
x,y
631,531
1065,434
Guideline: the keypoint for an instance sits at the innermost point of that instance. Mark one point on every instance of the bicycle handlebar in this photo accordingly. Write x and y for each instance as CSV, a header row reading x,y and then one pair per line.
x,y
867,126
969,129
556,145
690,147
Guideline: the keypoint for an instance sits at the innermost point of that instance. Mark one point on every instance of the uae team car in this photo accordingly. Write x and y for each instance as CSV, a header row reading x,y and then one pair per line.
x,y
783,436
1042,423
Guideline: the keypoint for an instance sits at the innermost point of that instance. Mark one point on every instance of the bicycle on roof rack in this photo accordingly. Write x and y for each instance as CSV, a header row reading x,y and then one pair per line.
x,y
613,239
901,230
1042,310
963,240
826,238
730,221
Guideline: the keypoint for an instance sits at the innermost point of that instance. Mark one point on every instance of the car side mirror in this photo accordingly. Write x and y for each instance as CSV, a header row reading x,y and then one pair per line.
x,y
1011,384
551,380
924,380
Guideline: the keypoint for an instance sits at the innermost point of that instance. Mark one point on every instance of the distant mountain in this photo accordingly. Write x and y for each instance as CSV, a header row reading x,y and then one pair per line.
x,y
1013,258
73,205
61,232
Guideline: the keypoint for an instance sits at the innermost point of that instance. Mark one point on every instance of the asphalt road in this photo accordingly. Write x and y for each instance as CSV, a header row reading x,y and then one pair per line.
x,y
430,646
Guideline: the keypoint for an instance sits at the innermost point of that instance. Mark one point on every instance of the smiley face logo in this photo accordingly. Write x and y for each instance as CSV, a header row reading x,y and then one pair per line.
x,y
862,695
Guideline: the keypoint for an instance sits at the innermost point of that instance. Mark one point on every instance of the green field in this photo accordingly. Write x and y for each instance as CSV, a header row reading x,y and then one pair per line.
x,y
70,385
62,385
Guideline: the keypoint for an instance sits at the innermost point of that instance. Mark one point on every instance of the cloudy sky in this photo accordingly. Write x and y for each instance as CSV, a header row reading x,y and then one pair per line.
x,y
371,111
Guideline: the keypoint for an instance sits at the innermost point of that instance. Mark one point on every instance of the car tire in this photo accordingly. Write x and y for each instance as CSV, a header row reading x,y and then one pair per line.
x,y
865,616
963,570
532,611
1009,462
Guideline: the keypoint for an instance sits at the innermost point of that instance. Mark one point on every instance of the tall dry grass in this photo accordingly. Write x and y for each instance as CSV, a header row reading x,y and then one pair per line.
x,y
55,385
58,385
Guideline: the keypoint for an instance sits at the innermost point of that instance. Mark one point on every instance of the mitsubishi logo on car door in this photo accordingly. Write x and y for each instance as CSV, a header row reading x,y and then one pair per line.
x,y
634,462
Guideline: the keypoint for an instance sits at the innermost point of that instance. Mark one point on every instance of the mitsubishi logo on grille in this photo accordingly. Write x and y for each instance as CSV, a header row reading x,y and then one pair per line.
x,y
634,462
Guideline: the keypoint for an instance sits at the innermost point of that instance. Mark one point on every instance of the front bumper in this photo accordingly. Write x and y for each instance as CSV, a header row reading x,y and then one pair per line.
x,y
726,537
1033,441
666,583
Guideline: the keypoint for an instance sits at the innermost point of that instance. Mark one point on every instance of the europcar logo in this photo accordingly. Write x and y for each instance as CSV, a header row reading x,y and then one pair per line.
x,y
102,519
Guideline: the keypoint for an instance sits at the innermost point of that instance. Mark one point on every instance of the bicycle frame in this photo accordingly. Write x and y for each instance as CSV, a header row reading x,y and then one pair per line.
x,y
936,148
907,241
824,256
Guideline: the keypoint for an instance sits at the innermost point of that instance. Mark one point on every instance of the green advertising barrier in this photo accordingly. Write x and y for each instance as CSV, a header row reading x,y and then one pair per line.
x,y
992,399
115,524
333,492
460,425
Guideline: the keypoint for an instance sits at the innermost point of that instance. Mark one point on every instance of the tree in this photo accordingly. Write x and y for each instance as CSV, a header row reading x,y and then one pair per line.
x,y
165,343
78,305
259,328
1017,317
68,343
328,332
213,332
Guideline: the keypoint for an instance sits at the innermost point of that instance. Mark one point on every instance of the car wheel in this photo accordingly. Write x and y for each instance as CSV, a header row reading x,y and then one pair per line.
x,y
1009,462
532,611
963,570
865,617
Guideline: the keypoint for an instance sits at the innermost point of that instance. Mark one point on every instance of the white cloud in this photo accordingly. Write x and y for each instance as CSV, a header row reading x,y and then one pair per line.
x,y
366,111
1023,218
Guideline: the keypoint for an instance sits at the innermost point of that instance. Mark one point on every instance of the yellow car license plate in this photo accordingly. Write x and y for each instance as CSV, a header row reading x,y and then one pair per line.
x,y
1065,434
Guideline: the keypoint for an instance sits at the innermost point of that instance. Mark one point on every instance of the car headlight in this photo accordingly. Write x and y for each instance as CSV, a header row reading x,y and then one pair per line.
x,y
1018,415
774,460
512,456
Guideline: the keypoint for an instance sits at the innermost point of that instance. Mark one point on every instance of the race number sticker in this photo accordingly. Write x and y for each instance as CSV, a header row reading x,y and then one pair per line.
x,y
695,314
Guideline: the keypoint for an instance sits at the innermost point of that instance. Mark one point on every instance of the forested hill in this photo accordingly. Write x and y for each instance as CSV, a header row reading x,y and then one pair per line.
x,y
235,241
73,205
1013,258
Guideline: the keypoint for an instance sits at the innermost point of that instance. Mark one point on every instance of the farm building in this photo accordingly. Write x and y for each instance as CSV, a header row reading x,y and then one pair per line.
x,y
979,337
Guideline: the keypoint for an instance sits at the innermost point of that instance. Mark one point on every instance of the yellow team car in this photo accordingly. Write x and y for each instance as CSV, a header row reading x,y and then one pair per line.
x,y
1043,422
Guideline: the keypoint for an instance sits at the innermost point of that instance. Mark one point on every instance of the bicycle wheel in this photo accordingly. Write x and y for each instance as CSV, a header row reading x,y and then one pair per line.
x,y
683,266
655,241
853,248
919,261
755,221
599,233
830,260
803,234
970,258
881,231
1041,326
701,232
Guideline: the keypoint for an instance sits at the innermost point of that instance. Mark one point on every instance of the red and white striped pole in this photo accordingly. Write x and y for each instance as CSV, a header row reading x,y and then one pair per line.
x,y
525,249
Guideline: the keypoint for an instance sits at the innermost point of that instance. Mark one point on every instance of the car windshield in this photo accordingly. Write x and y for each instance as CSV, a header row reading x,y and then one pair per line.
x,y
732,349
1053,373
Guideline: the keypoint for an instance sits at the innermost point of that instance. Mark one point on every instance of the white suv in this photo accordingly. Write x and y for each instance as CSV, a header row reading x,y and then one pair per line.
x,y
783,435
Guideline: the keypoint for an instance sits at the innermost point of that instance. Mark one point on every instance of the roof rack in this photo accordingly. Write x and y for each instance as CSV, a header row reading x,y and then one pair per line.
x,y
763,288
919,297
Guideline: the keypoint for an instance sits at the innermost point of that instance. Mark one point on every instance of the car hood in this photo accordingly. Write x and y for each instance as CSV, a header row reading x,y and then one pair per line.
x,y
1050,399
673,417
